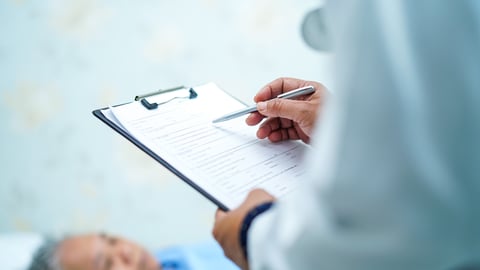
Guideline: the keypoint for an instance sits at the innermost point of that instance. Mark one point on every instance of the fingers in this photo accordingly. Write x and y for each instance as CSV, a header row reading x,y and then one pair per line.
x,y
254,118
283,135
279,129
277,87
285,108
268,127
295,117
288,119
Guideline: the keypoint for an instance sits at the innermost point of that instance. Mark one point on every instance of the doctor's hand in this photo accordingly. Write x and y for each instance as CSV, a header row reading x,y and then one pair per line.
x,y
287,119
227,226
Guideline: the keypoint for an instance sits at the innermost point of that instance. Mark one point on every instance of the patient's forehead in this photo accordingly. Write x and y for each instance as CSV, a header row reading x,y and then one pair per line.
x,y
78,252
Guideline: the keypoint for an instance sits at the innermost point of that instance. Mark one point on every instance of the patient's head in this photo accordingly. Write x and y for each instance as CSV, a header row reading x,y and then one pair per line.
x,y
93,252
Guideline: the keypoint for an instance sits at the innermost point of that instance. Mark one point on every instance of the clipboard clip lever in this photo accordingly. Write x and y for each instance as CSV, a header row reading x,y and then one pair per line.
x,y
151,106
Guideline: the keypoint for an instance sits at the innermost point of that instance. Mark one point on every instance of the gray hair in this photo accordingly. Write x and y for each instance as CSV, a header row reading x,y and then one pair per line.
x,y
46,256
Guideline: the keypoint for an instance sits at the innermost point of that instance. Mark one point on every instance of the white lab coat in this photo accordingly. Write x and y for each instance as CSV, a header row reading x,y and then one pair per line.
x,y
394,174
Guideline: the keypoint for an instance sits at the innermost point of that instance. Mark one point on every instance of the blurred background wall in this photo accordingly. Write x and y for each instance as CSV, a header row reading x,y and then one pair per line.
x,y
62,170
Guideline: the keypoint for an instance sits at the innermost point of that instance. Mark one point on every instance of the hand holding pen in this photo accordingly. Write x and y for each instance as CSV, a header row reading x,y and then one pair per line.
x,y
288,119
292,94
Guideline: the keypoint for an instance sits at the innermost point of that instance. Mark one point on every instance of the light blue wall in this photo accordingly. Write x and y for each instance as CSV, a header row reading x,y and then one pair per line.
x,y
63,171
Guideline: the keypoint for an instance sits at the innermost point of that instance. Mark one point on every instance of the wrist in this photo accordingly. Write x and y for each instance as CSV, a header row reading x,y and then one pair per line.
x,y
247,221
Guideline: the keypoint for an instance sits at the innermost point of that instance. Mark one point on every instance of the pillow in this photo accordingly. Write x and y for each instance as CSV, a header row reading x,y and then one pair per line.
x,y
17,249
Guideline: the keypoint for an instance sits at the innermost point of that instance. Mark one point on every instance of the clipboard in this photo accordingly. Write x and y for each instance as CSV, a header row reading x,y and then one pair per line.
x,y
151,106
148,103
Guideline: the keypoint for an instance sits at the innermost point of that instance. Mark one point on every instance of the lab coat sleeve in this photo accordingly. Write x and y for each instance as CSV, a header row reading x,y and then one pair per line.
x,y
393,177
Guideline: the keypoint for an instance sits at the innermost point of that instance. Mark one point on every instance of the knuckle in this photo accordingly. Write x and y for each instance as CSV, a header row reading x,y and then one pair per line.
x,y
276,105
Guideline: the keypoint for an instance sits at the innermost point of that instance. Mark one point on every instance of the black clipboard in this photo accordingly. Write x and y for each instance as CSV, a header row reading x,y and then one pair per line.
x,y
151,106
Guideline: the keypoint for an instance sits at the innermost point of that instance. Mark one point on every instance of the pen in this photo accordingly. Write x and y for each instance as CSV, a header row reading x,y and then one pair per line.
x,y
289,95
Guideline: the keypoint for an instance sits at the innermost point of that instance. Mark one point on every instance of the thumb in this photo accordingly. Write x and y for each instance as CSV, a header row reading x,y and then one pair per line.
x,y
284,108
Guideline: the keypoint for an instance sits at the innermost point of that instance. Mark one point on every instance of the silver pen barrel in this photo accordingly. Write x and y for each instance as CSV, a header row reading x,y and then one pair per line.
x,y
236,114
288,95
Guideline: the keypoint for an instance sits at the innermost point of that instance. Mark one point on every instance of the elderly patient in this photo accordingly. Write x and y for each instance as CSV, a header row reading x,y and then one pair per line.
x,y
105,252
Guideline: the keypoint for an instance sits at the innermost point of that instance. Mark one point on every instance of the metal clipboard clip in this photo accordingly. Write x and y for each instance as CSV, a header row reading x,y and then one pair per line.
x,y
151,106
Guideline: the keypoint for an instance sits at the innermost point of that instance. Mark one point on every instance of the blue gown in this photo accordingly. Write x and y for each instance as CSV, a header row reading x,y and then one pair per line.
x,y
204,256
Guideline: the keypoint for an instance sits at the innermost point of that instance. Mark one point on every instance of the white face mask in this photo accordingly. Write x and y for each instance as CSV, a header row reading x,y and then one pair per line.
x,y
314,30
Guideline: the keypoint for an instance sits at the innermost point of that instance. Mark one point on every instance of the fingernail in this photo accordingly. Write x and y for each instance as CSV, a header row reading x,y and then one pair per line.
x,y
261,106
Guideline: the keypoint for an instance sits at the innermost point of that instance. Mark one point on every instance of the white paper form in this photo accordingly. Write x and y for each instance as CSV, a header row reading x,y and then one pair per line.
x,y
226,159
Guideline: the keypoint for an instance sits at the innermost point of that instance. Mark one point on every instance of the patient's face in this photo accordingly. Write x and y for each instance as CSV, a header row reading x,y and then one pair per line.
x,y
104,252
